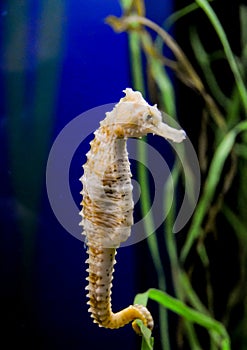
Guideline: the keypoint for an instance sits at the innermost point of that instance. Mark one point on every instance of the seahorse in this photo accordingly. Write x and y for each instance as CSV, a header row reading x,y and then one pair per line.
x,y
107,204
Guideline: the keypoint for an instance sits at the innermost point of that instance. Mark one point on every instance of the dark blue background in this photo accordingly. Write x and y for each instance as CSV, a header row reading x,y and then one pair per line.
x,y
58,59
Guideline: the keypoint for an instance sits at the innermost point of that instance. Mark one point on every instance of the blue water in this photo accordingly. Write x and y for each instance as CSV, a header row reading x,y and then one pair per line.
x,y
57,59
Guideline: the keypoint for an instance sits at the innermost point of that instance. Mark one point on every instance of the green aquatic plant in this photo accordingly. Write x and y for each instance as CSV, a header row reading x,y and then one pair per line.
x,y
216,329
224,116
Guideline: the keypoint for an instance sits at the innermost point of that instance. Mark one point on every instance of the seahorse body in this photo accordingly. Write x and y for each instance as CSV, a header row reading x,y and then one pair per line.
x,y
107,205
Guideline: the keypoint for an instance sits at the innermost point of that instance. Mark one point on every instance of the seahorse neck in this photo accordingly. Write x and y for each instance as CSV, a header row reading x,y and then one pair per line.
x,y
111,139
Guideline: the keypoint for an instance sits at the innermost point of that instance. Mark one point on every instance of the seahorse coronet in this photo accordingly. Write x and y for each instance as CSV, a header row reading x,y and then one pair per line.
x,y
107,204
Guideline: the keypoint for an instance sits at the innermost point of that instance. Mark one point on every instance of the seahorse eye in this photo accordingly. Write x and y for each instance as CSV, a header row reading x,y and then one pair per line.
x,y
149,117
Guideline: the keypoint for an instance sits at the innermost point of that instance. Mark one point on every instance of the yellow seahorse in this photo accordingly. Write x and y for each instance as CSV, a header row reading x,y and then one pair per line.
x,y
107,205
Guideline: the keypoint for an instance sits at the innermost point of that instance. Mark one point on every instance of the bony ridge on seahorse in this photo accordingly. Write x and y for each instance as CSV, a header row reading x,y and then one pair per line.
x,y
107,205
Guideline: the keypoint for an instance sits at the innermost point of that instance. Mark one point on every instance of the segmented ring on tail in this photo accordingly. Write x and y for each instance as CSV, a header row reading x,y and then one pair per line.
x,y
107,205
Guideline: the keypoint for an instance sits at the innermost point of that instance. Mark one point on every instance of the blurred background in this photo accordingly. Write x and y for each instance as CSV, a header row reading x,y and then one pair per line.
x,y
59,59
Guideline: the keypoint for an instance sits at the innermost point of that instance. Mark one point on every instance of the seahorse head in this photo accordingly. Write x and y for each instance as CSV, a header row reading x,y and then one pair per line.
x,y
134,117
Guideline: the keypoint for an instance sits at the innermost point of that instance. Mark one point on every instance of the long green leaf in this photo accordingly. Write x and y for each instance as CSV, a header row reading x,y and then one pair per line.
x,y
226,46
147,339
138,82
212,181
216,329
203,59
